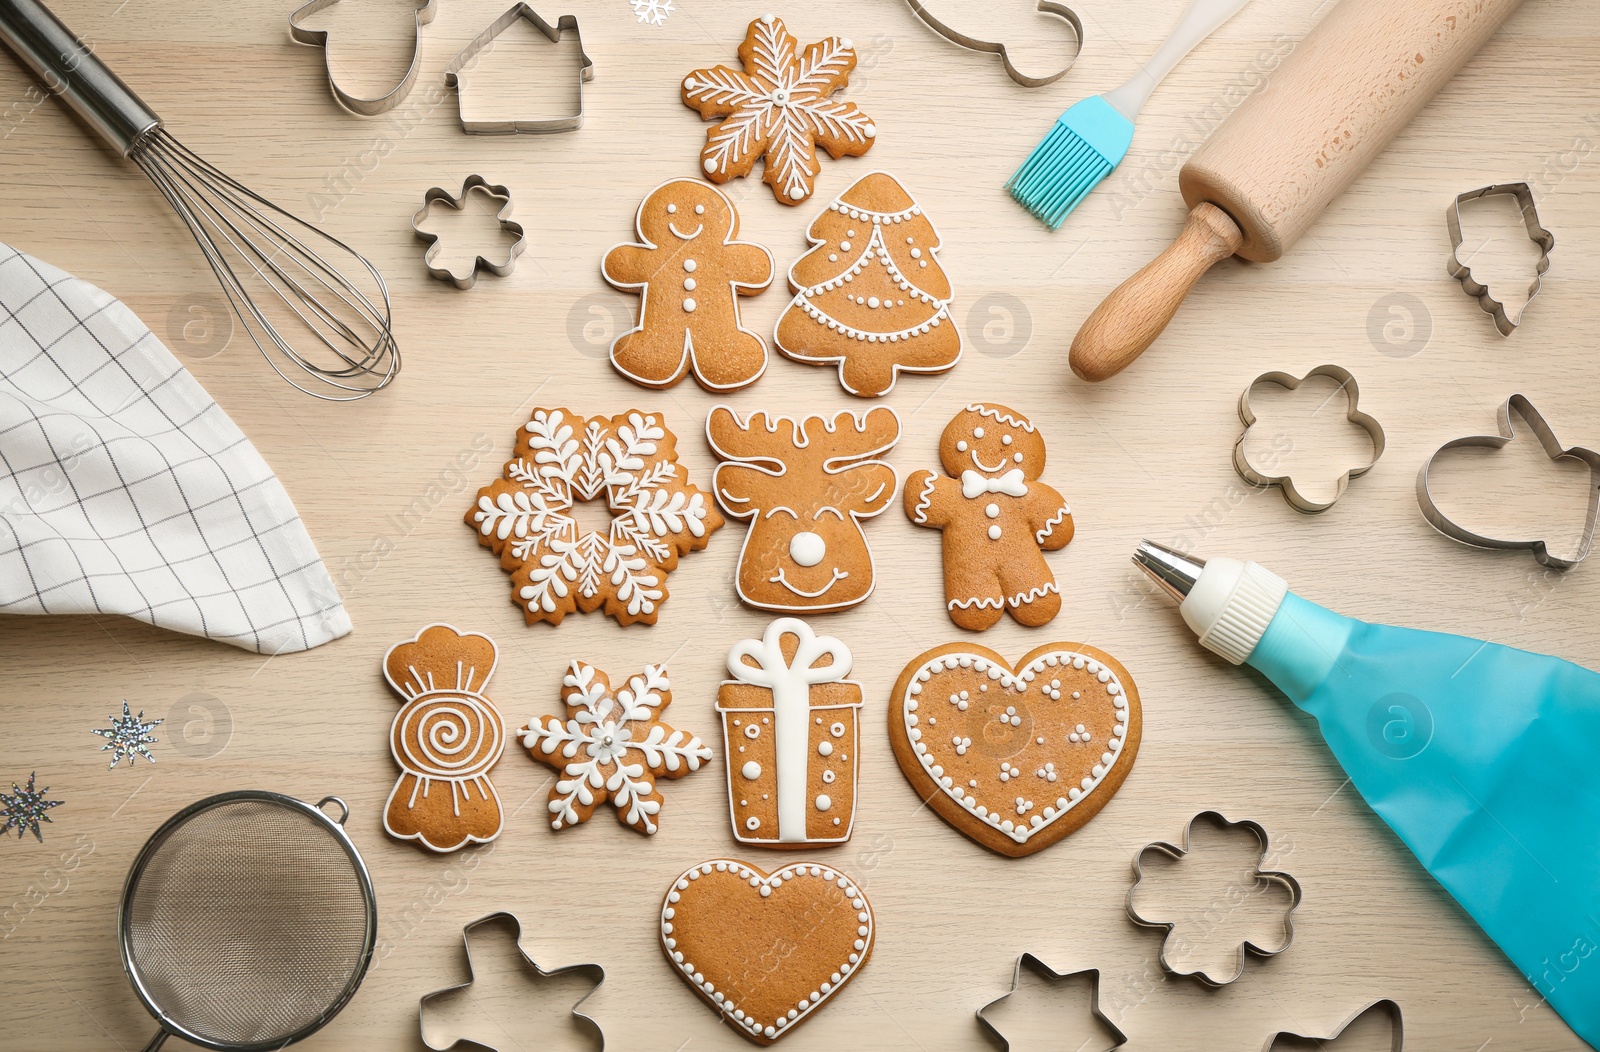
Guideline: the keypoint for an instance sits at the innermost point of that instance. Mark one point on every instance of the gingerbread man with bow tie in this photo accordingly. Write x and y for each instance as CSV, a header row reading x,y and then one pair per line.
x,y
998,519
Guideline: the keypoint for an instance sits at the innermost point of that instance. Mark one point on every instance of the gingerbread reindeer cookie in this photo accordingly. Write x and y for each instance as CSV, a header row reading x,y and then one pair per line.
x,y
689,272
997,518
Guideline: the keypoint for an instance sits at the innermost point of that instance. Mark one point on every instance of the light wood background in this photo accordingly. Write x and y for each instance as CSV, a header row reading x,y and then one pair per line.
x,y
382,491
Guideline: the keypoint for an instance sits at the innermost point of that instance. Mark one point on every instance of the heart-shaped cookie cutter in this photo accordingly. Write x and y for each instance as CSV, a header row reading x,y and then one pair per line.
x,y
1053,977
355,103
1536,233
1297,500
503,217
990,47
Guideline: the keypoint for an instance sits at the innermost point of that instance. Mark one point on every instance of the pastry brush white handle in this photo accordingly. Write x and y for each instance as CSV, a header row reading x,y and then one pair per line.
x,y
1202,19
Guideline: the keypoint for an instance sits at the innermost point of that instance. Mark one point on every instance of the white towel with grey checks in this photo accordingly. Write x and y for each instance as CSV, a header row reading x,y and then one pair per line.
x,y
124,489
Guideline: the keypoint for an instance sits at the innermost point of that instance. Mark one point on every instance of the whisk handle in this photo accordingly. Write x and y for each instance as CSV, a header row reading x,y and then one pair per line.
x,y
68,68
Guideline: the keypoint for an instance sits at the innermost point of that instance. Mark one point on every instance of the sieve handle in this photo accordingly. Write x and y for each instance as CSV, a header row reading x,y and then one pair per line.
x,y
157,1041
344,808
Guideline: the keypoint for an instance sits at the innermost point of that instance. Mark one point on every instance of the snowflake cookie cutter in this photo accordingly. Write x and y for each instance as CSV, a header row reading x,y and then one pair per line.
x,y
1553,449
439,194
1546,241
1289,382
514,924
1262,876
469,56
990,47
1052,977
366,107
1397,1028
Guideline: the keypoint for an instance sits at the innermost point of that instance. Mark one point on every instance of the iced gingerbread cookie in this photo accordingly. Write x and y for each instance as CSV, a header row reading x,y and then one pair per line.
x,y
689,273
612,746
526,518
778,107
765,950
998,518
804,485
446,737
1015,758
870,295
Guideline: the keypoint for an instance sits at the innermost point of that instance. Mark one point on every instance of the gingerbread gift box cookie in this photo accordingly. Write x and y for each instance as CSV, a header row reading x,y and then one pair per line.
x,y
689,272
997,518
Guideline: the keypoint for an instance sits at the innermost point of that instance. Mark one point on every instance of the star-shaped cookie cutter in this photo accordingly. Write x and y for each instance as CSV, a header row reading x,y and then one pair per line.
x,y
1051,976
1397,1028
1297,500
1177,853
1552,448
426,9
440,194
1536,233
1062,11
588,971
469,57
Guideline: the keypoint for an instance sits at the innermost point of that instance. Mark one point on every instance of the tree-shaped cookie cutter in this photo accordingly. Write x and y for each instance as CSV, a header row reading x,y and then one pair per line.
x,y
1552,448
469,58
1267,876
1536,233
990,47
440,194
1053,977
587,971
1397,1028
1297,500
366,107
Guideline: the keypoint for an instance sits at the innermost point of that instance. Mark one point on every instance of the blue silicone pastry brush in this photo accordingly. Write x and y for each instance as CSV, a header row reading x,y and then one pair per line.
x,y
1092,137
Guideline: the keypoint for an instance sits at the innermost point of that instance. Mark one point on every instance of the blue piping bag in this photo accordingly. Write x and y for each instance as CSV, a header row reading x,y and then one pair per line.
x,y
1482,758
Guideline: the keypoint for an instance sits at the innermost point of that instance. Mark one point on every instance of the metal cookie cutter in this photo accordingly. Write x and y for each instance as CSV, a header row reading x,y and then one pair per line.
x,y
1263,876
1050,975
989,47
354,103
588,971
470,278
468,58
1536,233
1553,449
1397,1028
1296,499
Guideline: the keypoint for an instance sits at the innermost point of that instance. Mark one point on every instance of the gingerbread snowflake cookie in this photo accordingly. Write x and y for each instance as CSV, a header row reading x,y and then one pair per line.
x,y
778,108
998,518
689,273
628,460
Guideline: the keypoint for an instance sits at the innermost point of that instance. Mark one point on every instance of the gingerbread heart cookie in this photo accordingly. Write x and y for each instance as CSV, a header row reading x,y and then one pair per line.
x,y
1015,758
765,950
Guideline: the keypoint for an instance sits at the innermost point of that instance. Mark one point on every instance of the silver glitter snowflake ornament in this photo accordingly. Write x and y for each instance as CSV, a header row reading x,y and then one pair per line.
x,y
128,737
25,809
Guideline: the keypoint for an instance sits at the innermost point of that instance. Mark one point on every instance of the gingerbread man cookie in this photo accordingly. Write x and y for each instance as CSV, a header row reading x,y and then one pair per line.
x,y
689,273
997,518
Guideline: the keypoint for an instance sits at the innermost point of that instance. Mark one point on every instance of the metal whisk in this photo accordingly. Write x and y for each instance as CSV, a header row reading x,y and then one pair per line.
x,y
275,268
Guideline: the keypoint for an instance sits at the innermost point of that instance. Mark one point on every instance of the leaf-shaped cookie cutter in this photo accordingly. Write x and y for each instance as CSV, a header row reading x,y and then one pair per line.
x,y
426,9
1297,500
1051,976
440,194
1552,448
1536,233
1397,1028
1062,11
469,57
1177,853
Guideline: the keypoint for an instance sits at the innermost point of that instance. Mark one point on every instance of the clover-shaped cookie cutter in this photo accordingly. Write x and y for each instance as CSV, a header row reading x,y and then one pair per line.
x,y
440,194
1062,11
1552,448
1051,976
469,57
588,971
355,103
1297,500
1397,1028
1536,233
1269,876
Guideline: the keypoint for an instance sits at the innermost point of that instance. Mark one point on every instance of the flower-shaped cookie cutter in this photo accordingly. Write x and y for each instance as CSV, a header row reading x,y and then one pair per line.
x,y
1053,977
1262,876
439,194
990,47
1298,500
1397,1028
366,107
511,921
1553,449
1536,233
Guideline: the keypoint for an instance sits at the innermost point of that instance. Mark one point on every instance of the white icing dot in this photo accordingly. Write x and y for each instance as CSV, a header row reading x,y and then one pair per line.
x,y
961,446
688,284
844,246
765,891
916,253
710,165
823,803
751,770
994,533
825,748
807,548
992,510
828,777
699,210
672,210
870,131
1015,456
977,432
837,730
690,265
797,192
688,305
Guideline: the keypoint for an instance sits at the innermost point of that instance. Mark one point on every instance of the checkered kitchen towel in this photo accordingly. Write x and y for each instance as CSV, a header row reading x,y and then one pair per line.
x,y
124,489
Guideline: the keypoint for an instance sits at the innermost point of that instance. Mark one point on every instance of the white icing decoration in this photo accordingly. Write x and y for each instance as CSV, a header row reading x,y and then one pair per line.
x,y
975,485
823,803
994,533
991,510
807,548
688,304
751,770
825,748
689,284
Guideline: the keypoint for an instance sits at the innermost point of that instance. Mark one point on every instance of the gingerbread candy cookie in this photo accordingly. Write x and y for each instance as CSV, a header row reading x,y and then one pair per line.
x,y
765,950
778,108
689,273
870,295
997,518
1015,758
526,518
805,485
445,738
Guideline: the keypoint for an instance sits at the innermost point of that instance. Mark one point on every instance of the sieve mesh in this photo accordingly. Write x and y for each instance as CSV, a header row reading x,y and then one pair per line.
x,y
248,923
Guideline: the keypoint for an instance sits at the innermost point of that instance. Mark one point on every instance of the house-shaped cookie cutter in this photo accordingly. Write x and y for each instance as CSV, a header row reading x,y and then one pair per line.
x,y
1053,977
469,56
355,103
470,278
1536,233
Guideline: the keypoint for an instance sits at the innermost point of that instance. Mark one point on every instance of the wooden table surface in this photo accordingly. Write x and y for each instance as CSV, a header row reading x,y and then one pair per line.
x,y
382,486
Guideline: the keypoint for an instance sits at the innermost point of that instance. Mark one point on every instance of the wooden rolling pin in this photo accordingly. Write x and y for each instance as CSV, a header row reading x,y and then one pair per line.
x,y
1270,169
